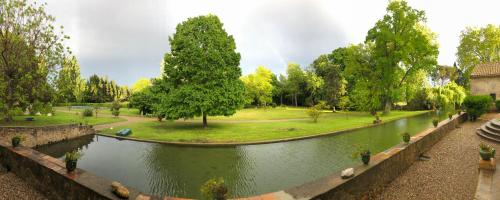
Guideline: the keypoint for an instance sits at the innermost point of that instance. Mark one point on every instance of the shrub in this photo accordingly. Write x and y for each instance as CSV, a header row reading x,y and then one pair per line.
x,y
115,108
88,112
315,111
477,105
215,189
497,104
435,121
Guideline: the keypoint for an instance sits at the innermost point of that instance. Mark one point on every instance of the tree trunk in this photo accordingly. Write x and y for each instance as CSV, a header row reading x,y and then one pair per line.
x,y
387,107
205,124
295,95
281,100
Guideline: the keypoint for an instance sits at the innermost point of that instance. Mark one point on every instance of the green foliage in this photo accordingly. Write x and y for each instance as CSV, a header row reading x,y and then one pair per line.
x,y
497,105
315,111
70,85
100,90
88,112
258,87
115,108
406,137
402,46
296,81
449,97
141,84
435,121
31,48
201,71
443,74
477,45
477,105
424,99
333,85
72,156
214,189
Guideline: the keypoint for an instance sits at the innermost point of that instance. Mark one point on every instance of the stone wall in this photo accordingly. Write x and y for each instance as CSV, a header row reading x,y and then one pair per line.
x,y
382,169
36,136
49,176
485,86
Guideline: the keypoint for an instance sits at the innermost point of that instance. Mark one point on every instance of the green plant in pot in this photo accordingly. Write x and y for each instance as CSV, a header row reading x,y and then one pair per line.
x,y
435,121
215,189
364,153
406,137
16,140
486,152
450,115
71,159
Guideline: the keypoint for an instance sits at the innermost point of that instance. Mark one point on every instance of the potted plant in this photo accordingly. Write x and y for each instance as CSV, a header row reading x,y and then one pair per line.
x,y
377,118
364,153
406,137
16,141
450,115
486,152
215,189
435,121
71,159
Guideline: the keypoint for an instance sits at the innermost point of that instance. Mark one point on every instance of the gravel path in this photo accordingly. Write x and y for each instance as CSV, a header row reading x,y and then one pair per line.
x,y
451,173
14,188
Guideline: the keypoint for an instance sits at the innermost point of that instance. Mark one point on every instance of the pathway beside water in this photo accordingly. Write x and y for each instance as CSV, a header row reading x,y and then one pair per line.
x,y
452,171
14,188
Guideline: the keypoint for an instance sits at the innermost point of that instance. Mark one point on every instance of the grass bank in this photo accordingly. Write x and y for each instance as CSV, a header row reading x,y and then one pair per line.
x,y
252,125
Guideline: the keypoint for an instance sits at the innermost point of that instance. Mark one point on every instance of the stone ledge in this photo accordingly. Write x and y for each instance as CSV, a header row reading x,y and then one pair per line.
x,y
49,176
383,168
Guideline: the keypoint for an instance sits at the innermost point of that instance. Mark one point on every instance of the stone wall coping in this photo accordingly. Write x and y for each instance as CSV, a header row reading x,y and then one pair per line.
x,y
232,144
47,126
96,184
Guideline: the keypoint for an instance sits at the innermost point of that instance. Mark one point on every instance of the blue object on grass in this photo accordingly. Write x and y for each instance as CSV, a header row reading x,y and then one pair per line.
x,y
29,119
124,132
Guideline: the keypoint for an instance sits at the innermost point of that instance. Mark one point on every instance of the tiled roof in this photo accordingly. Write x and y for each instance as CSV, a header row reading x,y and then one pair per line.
x,y
486,70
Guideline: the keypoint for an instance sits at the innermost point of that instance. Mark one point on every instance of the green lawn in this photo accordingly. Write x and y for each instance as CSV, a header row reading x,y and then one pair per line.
x,y
248,131
58,119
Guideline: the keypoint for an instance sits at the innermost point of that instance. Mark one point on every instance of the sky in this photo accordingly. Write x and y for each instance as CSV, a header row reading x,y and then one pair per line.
x,y
126,39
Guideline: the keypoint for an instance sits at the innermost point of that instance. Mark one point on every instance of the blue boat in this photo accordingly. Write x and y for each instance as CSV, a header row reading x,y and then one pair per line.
x,y
124,132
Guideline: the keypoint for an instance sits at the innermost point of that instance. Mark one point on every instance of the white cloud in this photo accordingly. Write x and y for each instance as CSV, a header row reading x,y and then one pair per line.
x,y
126,39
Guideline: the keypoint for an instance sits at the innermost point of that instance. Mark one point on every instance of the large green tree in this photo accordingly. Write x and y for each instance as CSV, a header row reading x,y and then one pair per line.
x,y
30,47
70,85
329,68
202,71
403,46
258,86
296,81
477,45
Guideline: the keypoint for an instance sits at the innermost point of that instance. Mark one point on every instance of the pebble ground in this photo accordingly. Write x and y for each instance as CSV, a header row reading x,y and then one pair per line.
x,y
14,188
452,171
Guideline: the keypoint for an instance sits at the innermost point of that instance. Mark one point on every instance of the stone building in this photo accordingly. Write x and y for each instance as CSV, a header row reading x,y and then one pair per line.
x,y
485,80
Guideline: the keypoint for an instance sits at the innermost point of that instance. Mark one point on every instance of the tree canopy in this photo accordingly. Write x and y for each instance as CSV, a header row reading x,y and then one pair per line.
x,y
70,86
477,45
202,71
402,45
31,48
258,86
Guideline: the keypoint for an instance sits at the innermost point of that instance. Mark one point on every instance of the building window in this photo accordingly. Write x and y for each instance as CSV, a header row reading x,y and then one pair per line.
x,y
494,96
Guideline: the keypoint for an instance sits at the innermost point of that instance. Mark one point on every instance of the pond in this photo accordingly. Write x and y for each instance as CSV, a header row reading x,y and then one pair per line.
x,y
248,170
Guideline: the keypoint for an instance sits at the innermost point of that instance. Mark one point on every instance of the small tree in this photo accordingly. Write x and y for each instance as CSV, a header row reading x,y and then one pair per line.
x,y
115,108
315,111
97,107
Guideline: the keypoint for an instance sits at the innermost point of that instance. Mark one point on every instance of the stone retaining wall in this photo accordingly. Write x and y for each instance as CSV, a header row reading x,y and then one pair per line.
x,y
383,168
48,175
36,136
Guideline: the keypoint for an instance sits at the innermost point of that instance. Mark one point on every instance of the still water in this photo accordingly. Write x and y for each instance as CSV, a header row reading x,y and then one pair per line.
x,y
248,170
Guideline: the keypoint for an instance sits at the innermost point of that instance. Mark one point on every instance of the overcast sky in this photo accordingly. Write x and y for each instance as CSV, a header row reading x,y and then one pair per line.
x,y
126,39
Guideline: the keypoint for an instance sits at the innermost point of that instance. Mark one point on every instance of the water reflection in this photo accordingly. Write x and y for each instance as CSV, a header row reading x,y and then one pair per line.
x,y
248,170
